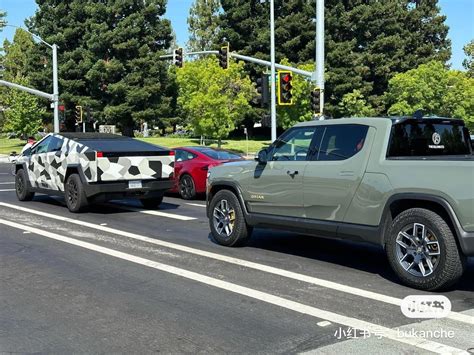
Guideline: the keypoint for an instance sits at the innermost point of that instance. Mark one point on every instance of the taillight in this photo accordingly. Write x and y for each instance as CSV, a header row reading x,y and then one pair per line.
x,y
172,153
205,168
100,155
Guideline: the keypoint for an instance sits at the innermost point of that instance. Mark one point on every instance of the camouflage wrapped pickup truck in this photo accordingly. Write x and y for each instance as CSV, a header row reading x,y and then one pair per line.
x,y
91,167
406,184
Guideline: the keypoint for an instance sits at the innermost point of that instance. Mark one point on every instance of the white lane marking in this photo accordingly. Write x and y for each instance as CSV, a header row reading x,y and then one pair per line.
x,y
195,204
249,264
154,213
324,323
7,183
7,190
5,174
249,292
103,224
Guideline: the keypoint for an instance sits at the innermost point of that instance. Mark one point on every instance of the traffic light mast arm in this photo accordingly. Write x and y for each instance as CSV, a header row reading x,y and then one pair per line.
x,y
248,59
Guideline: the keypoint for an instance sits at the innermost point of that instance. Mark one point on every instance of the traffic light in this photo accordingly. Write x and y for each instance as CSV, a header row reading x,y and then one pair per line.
x,y
285,94
224,56
79,114
263,90
316,100
178,57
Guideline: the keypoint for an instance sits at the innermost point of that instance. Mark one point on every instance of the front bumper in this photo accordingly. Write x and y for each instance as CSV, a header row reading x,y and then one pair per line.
x,y
150,188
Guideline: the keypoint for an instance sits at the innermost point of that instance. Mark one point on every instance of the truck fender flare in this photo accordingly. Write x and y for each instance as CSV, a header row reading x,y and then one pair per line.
x,y
421,197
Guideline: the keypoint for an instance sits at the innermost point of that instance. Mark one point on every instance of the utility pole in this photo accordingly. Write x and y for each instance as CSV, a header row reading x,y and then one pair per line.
x,y
272,75
319,73
54,47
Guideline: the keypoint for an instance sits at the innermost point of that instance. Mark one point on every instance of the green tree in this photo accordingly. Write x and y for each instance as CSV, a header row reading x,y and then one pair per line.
x,y
215,100
108,57
468,63
203,24
354,104
435,89
367,42
22,111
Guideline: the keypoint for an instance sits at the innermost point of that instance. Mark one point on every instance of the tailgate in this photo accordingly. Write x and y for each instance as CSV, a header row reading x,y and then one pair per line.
x,y
116,167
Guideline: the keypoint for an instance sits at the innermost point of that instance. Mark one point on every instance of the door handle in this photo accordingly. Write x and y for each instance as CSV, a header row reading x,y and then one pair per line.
x,y
292,173
346,173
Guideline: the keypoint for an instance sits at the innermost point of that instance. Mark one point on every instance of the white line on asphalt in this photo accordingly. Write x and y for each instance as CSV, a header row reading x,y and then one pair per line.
x,y
249,292
154,213
7,190
324,323
195,204
7,183
5,174
249,264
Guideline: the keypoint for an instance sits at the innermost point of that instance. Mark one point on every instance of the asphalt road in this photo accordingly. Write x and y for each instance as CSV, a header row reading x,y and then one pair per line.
x,y
122,279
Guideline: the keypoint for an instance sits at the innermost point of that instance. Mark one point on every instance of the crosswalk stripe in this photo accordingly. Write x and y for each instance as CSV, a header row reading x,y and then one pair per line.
x,y
7,183
252,293
195,204
249,264
7,190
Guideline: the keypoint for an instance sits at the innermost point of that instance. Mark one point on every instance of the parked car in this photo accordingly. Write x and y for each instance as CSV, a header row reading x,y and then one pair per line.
x,y
405,184
92,167
191,166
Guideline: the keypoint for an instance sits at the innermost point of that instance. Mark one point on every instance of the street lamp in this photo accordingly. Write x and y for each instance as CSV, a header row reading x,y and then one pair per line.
x,y
55,96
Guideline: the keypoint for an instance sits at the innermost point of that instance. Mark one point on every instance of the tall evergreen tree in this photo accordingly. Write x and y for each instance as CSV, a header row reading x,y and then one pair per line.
x,y
366,41
109,56
203,24
468,63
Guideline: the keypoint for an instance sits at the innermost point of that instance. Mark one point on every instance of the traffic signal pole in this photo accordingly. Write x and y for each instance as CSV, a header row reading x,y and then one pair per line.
x,y
319,73
272,74
54,47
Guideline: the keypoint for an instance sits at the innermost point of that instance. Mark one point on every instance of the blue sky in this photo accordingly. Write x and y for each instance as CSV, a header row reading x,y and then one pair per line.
x,y
460,19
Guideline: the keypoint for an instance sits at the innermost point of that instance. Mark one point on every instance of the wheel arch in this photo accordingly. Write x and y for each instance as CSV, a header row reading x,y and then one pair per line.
x,y
227,185
398,203
75,169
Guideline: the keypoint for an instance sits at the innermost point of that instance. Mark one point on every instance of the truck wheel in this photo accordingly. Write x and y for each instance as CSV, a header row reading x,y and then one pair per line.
x,y
187,189
151,203
21,186
422,250
74,194
227,220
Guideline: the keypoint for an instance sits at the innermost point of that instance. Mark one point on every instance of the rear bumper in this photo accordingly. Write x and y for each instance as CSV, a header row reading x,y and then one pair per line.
x,y
114,189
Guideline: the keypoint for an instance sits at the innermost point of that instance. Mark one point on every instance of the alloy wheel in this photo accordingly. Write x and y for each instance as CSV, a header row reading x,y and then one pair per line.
x,y
418,250
187,187
72,194
224,218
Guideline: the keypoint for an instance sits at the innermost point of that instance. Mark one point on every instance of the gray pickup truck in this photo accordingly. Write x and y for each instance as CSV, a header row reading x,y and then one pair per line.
x,y
405,184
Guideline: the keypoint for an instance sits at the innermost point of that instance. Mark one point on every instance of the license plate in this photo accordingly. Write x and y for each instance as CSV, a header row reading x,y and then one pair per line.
x,y
135,184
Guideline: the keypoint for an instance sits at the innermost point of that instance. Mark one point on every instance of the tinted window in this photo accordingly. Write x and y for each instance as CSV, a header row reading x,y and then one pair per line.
x,y
220,154
293,145
341,142
55,144
42,147
428,139
183,155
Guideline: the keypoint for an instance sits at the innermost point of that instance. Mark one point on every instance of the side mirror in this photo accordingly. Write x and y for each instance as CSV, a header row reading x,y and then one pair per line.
x,y
262,156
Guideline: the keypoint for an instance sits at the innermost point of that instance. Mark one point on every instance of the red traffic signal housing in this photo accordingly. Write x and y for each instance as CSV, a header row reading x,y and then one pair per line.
x,y
178,57
285,94
224,57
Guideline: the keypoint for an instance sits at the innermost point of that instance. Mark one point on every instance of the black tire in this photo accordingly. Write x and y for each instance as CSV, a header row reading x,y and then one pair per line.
x,y
447,267
21,186
240,232
187,188
76,199
151,203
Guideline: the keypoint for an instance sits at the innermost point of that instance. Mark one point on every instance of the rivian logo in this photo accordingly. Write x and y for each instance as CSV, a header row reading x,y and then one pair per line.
x,y
257,197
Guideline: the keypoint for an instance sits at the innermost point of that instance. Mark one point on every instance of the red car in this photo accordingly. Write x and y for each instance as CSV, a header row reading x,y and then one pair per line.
x,y
191,166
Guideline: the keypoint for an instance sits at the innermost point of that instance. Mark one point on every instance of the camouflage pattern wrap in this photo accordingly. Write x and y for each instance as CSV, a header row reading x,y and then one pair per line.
x,y
48,170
